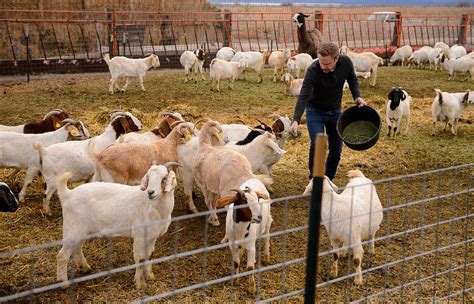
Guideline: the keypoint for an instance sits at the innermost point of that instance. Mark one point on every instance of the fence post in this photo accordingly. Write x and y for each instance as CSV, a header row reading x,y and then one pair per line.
x,y
113,42
397,30
318,20
28,61
227,28
462,33
315,218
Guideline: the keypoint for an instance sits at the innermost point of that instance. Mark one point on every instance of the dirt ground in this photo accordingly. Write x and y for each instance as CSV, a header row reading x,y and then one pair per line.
x,y
422,248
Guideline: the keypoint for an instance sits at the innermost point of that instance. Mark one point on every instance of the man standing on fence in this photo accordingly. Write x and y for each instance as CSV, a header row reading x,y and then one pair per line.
x,y
321,97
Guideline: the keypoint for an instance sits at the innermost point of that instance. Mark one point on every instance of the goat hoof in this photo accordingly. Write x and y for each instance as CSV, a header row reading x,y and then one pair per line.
x,y
85,269
358,280
214,222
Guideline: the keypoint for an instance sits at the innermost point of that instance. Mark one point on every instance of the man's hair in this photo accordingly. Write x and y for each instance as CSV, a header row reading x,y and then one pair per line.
x,y
328,49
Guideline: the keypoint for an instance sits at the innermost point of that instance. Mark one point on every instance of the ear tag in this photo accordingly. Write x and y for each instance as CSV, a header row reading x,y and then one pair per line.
x,y
173,181
219,135
74,131
57,125
188,136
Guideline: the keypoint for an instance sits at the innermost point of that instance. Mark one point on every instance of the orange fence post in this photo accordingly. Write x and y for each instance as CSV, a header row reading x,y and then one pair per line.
x,y
227,28
397,30
318,20
462,33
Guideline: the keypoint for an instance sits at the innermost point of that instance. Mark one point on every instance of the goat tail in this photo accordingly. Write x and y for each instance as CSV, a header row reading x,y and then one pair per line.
x,y
355,173
212,62
41,151
107,58
439,94
61,184
265,179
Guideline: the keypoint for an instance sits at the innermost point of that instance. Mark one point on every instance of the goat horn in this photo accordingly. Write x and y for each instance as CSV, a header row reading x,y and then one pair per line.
x,y
175,123
239,192
261,122
68,121
168,165
55,111
167,113
201,120
116,114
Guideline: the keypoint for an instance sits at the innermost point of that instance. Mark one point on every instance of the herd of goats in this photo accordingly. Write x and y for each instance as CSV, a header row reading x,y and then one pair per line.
x,y
131,177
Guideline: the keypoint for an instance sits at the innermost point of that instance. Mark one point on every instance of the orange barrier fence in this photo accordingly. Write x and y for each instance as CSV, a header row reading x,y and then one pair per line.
x,y
75,41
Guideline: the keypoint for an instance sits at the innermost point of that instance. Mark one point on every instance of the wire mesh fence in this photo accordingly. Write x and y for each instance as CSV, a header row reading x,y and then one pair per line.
x,y
75,40
423,252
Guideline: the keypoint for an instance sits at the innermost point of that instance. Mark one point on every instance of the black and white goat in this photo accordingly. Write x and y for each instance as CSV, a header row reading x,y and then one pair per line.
x,y
8,202
398,107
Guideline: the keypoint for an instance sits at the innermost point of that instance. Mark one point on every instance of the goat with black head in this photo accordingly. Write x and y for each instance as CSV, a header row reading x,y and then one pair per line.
x,y
398,107
8,202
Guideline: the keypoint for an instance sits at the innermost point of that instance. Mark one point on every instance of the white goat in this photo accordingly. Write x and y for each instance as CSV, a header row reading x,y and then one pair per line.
x,y
448,107
462,65
277,61
255,60
443,46
364,62
245,225
17,150
223,70
398,107
141,212
298,63
420,56
456,51
193,61
293,86
225,53
401,54
120,66
351,217
435,58
75,157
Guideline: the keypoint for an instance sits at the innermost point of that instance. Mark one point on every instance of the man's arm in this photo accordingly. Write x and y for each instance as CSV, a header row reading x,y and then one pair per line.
x,y
305,95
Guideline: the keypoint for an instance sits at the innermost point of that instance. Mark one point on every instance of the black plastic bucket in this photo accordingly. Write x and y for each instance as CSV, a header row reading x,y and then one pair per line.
x,y
359,128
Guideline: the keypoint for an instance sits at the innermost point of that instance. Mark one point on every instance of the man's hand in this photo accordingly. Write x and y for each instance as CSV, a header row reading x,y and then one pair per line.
x,y
294,128
360,102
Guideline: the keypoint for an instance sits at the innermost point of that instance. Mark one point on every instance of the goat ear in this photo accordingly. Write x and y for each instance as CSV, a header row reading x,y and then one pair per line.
x,y
261,195
465,98
226,200
306,16
390,95
125,124
170,182
56,122
72,130
144,183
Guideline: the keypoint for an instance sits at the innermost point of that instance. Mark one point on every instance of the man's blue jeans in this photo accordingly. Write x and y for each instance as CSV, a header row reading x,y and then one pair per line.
x,y
317,121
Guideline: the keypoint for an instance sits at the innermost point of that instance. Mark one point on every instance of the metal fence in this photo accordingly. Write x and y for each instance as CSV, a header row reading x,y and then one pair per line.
x,y
423,252
75,41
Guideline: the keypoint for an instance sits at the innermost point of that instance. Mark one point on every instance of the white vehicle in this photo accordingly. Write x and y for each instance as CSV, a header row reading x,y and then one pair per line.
x,y
384,16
